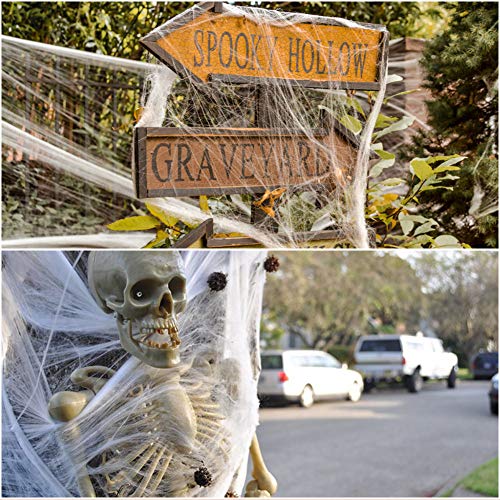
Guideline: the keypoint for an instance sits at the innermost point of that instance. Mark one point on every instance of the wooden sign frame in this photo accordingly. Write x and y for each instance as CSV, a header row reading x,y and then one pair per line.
x,y
203,236
140,155
190,15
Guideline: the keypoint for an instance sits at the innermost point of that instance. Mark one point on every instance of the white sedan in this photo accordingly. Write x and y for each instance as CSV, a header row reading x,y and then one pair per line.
x,y
306,376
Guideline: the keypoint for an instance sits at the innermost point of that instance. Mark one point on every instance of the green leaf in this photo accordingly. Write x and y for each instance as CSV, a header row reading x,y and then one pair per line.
x,y
387,160
421,169
386,155
384,121
400,93
136,223
393,78
416,218
354,103
408,221
392,181
446,241
402,124
159,240
160,214
420,241
449,177
351,123
433,188
434,159
406,224
203,202
426,227
439,169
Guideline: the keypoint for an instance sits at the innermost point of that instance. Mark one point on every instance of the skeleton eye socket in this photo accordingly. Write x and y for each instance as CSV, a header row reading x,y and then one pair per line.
x,y
143,290
177,286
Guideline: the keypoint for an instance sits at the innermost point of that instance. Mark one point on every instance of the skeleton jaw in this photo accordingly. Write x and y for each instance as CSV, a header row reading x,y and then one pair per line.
x,y
161,333
155,341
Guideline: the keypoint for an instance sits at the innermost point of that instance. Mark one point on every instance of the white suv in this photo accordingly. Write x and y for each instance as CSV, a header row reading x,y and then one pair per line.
x,y
305,376
406,358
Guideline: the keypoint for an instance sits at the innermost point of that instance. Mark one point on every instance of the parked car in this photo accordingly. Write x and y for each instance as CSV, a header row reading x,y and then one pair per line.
x,y
306,376
493,394
484,365
411,359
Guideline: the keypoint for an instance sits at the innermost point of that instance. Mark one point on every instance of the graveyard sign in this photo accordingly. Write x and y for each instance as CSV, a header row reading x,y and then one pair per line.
x,y
214,41
193,162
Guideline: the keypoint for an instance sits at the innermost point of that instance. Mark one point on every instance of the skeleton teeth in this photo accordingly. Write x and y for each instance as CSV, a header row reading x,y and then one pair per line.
x,y
152,329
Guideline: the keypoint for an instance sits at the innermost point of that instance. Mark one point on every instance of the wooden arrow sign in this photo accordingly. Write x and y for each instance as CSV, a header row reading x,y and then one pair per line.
x,y
244,44
209,161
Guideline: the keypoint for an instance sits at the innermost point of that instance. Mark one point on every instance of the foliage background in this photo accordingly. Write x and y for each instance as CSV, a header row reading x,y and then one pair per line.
x,y
461,63
327,300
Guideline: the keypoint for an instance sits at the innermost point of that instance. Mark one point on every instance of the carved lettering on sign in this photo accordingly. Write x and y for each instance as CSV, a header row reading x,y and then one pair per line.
x,y
172,162
314,51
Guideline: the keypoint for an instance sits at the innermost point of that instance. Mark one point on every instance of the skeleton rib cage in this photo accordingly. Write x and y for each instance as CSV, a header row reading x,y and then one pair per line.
x,y
142,468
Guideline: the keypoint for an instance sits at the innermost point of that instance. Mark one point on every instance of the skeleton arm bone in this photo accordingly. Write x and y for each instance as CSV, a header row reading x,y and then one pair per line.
x,y
83,378
264,483
66,405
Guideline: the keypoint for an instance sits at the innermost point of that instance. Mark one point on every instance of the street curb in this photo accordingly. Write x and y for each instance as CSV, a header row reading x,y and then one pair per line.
x,y
454,485
451,484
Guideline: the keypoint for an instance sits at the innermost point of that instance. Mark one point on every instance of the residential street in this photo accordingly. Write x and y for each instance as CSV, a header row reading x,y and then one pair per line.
x,y
390,444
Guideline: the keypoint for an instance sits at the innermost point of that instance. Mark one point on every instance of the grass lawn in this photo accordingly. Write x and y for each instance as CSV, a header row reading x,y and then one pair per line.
x,y
484,479
464,374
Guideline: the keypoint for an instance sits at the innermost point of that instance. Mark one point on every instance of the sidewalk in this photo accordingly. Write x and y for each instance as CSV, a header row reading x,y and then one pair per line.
x,y
483,479
461,492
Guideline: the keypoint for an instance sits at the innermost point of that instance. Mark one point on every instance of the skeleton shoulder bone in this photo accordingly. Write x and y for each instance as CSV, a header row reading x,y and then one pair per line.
x,y
146,291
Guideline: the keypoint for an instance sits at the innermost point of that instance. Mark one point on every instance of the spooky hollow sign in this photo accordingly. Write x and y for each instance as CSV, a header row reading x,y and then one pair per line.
x,y
174,162
218,42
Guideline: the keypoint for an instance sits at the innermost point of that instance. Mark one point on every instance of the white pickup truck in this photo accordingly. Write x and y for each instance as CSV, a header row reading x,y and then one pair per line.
x,y
411,359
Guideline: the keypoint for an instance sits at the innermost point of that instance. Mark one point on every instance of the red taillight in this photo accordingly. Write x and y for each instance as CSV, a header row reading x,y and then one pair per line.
x,y
403,361
283,377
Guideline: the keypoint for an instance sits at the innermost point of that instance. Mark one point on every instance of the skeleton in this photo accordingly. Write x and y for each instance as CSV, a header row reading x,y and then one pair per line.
x,y
147,293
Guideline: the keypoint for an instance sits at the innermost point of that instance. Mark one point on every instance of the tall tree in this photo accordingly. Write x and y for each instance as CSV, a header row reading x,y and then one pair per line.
x,y
329,299
462,293
461,64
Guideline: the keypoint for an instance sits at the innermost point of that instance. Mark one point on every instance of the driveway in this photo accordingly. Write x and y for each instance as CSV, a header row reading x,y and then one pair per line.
x,y
390,444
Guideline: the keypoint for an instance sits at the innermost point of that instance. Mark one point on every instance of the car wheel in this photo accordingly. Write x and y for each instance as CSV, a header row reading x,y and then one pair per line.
x,y
368,386
494,408
415,381
306,399
452,378
354,394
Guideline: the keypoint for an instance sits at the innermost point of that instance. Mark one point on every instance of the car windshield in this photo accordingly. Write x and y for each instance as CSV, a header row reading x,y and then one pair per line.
x,y
490,356
385,345
272,362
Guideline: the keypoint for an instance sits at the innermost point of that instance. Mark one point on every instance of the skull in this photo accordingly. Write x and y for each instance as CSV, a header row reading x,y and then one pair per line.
x,y
146,290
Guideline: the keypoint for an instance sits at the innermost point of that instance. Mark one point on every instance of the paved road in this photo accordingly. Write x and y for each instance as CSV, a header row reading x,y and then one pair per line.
x,y
391,443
